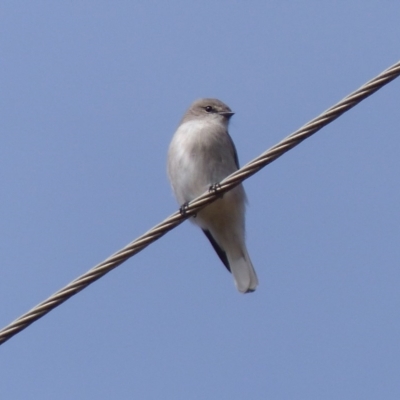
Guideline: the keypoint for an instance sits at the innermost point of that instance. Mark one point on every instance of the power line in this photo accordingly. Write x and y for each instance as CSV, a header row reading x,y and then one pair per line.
x,y
194,206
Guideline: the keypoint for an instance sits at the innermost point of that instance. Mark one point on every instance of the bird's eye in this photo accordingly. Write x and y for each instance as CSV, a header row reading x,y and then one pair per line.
x,y
208,109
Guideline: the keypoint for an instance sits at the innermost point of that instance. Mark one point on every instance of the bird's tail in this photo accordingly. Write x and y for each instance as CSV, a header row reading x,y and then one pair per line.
x,y
243,272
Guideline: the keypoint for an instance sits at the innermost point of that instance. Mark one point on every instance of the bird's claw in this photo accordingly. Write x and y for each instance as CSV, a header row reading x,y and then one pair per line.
x,y
214,188
183,209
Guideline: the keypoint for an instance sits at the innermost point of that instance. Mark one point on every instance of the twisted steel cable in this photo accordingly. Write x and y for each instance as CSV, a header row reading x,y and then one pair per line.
x,y
194,206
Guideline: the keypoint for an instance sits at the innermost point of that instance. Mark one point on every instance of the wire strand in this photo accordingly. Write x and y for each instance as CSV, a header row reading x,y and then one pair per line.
x,y
197,204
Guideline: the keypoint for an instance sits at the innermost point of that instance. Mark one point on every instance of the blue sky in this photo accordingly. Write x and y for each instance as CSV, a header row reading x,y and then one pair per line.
x,y
91,93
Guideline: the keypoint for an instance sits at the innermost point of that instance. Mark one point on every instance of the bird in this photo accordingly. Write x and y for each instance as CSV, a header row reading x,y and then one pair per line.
x,y
200,155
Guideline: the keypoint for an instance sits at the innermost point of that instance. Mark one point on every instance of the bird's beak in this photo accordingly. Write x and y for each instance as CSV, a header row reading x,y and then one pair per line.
x,y
226,114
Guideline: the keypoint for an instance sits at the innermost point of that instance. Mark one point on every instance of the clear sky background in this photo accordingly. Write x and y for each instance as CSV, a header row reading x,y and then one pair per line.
x,y
90,95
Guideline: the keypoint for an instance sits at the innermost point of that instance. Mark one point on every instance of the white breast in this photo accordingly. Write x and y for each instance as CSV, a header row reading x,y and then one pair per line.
x,y
200,154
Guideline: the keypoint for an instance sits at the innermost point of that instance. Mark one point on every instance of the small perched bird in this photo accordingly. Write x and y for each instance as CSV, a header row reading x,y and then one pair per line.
x,y
200,155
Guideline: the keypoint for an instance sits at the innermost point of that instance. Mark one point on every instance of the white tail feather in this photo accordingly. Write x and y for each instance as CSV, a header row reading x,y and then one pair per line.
x,y
244,274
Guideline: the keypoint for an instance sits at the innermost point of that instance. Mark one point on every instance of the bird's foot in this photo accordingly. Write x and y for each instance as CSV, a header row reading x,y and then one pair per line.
x,y
214,188
183,209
